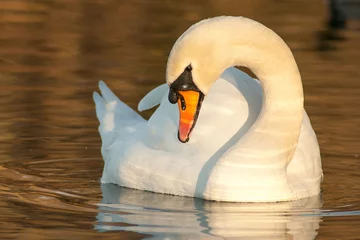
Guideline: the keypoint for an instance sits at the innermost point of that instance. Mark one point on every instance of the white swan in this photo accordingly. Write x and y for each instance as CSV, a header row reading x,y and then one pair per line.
x,y
251,142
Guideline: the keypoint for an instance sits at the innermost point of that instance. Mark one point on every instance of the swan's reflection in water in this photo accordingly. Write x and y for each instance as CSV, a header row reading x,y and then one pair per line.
x,y
184,218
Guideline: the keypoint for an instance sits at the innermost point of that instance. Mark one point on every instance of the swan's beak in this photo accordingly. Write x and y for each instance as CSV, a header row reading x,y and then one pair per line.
x,y
189,103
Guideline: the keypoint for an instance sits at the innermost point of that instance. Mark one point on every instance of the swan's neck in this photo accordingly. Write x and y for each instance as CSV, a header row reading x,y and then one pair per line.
x,y
276,131
215,44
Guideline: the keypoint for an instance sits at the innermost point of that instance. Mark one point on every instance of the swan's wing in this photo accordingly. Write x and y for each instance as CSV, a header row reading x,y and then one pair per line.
x,y
153,98
113,115
111,103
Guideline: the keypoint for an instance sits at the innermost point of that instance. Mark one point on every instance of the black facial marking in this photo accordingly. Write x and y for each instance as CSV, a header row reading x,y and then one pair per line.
x,y
183,83
189,68
173,96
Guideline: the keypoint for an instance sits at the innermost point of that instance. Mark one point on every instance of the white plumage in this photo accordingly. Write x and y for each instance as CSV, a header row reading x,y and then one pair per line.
x,y
245,146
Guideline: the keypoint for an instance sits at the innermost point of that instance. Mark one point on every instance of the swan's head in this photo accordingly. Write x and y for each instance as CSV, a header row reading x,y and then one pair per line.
x,y
196,61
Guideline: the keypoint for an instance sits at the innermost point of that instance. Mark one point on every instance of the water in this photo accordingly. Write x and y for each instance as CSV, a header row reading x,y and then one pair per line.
x,y
53,53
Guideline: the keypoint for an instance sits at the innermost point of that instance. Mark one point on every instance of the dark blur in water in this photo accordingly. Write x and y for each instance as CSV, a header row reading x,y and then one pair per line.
x,y
52,54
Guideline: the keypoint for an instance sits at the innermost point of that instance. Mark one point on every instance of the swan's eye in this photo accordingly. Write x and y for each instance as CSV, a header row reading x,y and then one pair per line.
x,y
173,96
188,68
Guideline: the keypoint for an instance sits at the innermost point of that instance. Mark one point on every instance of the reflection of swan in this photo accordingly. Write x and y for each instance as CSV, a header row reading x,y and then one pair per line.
x,y
187,218
246,145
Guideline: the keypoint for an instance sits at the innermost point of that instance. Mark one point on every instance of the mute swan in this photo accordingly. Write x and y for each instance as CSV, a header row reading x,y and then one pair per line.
x,y
253,141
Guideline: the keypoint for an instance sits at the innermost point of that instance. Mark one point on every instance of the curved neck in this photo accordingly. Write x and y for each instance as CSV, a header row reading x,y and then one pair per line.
x,y
276,131
213,45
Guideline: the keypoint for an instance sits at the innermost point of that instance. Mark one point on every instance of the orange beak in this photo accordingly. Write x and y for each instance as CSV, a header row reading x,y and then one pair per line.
x,y
189,104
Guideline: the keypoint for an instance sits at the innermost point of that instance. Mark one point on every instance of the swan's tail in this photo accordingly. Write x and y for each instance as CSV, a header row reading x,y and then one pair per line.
x,y
112,114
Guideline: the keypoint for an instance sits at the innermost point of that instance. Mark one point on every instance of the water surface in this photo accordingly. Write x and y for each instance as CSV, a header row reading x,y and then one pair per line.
x,y
52,55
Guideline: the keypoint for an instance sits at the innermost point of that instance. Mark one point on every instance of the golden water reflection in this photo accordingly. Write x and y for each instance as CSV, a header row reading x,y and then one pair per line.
x,y
181,217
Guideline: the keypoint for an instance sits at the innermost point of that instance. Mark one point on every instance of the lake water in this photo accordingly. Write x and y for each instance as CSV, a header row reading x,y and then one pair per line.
x,y
52,54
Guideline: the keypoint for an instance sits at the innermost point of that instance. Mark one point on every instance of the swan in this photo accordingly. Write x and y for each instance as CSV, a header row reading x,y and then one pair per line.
x,y
217,134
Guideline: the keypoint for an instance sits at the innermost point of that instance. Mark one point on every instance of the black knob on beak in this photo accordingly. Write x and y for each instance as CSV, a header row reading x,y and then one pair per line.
x,y
173,96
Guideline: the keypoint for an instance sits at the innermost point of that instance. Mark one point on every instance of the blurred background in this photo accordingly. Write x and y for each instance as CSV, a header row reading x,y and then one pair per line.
x,y
53,53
